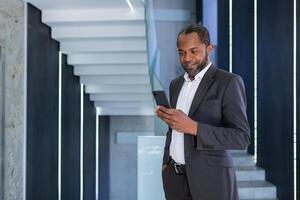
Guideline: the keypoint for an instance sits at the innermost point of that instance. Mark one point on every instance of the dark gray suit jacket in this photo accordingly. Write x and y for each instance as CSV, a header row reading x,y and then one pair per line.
x,y
219,107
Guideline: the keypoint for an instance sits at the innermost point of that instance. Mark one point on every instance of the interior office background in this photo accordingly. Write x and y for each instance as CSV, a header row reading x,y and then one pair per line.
x,y
255,39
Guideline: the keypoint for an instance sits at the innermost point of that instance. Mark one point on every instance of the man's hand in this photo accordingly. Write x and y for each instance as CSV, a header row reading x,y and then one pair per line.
x,y
177,120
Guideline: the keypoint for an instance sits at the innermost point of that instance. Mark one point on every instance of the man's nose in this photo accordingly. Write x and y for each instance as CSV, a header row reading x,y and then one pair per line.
x,y
187,57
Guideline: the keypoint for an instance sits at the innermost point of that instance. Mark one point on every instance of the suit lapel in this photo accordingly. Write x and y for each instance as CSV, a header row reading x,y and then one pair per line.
x,y
175,91
205,83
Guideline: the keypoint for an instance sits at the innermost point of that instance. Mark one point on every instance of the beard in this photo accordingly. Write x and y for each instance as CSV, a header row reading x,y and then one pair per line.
x,y
193,72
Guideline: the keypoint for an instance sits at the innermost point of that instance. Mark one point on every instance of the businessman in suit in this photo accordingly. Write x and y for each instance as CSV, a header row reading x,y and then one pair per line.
x,y
207,118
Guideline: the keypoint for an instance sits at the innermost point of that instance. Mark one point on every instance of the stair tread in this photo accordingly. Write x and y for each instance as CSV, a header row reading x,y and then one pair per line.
x,y
254,184
238,151
259,199
248,168
241,154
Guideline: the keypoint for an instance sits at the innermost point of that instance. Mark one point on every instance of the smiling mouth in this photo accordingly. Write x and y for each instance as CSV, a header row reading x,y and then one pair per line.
x,y
189,67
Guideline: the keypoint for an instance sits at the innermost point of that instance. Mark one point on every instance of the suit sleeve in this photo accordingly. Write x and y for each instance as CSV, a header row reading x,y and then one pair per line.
x,y
235,132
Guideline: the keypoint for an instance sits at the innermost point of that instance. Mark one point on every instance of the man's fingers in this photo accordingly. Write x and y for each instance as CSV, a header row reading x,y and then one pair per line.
x,y
170,116
165,116
162,111
162,108
169,111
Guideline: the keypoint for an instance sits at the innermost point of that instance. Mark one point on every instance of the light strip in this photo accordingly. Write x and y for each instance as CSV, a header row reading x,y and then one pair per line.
x,y
59,122
295,96
81,141
25,100
230,35
130,5
255,81
97,155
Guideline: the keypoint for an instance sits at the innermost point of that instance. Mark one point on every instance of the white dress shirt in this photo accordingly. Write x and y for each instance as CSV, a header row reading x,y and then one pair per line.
x,y
184,102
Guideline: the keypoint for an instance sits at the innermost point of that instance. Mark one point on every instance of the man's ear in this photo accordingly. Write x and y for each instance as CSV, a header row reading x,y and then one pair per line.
x,y
209,49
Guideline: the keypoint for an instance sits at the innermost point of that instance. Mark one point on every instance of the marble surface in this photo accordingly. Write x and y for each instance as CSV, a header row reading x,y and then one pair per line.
x,y
12,144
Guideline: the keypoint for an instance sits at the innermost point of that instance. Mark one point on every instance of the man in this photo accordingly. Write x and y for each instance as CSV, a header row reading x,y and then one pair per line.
x,y
207,118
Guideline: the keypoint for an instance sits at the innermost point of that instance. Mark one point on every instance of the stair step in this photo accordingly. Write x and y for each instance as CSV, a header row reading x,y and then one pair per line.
x,y
249,173
111,69
104,45
243,160
119,89
262,199
125,104
148,111
256,190
238,151
121,97
98,31
115,79
60,17
240,154
108,58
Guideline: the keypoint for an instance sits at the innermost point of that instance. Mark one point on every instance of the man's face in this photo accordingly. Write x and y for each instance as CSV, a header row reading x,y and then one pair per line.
x,y
193,54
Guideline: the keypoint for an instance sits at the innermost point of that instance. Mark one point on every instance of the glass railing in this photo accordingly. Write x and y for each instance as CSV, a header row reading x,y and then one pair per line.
x,y
150,148
153,61
149,154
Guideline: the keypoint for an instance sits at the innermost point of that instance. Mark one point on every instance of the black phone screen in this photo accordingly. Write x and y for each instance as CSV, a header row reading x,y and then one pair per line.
x,y
161,98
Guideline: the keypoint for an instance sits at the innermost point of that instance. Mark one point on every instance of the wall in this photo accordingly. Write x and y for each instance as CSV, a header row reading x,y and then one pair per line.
x,y
12,79
42,122
104,157
275,93
171,16
223,35
210,21
243,54
42,110
123,157
70,133
89,149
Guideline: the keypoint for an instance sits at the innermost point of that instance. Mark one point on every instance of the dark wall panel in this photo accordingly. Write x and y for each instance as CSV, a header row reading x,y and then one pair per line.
x,y
104,157
70,133
199,11
275,93
42,110
223,35
89,149
243,53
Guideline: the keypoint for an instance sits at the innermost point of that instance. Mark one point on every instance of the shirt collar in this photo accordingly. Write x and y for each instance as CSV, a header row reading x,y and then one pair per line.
x,y
199,75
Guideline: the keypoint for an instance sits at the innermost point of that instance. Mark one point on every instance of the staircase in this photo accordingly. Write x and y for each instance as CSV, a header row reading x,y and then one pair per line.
x,y
251,179
108,48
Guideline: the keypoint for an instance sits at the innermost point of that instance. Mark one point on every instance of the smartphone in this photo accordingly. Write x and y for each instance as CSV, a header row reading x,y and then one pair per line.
x,y
161,98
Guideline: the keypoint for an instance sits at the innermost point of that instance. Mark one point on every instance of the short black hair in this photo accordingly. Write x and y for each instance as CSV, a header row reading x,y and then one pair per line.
x,y
201,31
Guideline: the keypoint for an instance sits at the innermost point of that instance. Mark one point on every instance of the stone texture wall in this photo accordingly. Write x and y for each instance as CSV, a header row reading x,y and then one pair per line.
x,y
12,144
